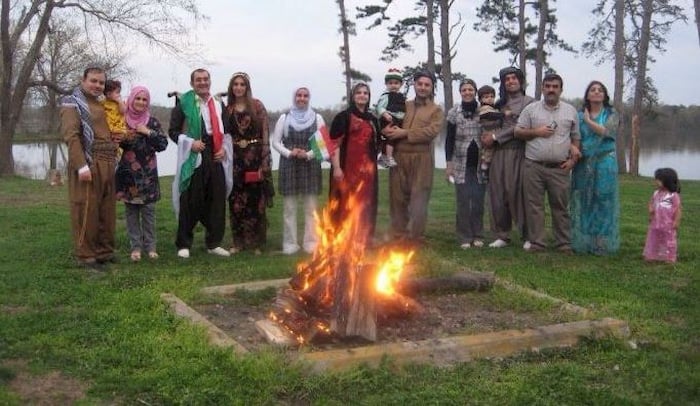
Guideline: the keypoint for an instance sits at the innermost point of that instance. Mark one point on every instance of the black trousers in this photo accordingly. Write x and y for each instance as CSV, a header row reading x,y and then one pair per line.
x,y
204,201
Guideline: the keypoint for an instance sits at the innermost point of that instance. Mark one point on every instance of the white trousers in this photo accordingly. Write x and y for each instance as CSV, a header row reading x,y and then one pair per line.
x,y
290,243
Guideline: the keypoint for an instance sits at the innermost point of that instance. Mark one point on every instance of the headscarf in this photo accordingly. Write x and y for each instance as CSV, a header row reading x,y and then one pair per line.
x,y
341,122
469,108
300,119
502,94
135,118
366,114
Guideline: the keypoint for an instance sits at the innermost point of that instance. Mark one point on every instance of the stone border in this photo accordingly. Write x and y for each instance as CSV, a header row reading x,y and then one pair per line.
x,y
462,348
216,336
442,351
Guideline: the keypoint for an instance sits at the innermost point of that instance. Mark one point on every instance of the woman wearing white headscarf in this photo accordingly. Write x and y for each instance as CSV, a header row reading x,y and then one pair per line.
x,y
299,171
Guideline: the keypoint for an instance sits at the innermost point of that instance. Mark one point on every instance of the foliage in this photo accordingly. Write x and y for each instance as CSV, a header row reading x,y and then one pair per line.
x,y
347,28
26,25
600,41
501,18
112,332
411,26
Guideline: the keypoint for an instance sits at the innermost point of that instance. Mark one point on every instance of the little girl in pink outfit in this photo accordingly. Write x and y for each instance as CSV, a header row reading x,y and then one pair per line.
x,y
664,217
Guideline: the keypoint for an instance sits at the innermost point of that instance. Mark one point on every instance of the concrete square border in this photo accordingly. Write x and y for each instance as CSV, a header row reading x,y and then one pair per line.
x,y
442,351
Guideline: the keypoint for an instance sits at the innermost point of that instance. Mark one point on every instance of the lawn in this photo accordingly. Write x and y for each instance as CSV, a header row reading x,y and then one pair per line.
x,y
70,335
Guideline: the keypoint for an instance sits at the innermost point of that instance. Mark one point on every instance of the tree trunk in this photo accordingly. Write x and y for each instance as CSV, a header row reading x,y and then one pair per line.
x,y
634,145
697,17
346,50
618,93
431,35
446,57
539,56
640,81
12,97
7,165
522,51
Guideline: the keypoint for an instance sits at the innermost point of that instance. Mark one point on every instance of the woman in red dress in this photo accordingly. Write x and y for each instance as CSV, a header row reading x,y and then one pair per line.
x,y
354,163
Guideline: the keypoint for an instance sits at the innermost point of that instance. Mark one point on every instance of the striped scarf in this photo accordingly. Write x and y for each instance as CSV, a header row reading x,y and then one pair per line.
x,y
77,100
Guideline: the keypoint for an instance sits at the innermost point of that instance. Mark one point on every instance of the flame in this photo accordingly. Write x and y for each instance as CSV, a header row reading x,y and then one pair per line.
x,y
390,272
342,240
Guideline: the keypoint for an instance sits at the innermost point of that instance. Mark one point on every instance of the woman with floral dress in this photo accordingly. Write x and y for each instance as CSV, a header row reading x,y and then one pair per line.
x,y
252,173
136,176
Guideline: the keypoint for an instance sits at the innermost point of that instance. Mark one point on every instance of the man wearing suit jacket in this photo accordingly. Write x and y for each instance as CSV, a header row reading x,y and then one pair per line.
x,y
203,179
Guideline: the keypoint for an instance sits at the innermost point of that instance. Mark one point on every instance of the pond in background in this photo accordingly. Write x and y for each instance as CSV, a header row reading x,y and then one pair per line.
x,y
32,160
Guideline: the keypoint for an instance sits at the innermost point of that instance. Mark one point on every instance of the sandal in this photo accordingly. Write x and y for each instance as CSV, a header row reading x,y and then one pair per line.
x,y
153,255
136,256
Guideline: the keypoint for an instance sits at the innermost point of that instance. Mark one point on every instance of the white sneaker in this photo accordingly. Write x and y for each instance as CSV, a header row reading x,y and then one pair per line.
x,y
219,251
498,244
183,253
527,245
465,246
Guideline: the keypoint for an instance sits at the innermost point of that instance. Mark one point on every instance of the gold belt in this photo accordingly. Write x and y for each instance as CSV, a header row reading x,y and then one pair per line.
x,y
244,143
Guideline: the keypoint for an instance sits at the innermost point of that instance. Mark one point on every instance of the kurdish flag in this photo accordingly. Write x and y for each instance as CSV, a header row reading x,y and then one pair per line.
x,y
322,144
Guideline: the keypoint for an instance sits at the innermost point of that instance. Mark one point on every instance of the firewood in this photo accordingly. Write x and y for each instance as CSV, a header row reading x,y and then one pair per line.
x,y
353,312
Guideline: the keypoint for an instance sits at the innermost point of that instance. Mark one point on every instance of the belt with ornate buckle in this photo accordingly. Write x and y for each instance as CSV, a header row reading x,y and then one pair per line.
x,y
244,143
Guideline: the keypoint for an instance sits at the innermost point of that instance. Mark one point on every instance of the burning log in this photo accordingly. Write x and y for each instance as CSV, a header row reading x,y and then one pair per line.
x,y
292,311
398,306
354,310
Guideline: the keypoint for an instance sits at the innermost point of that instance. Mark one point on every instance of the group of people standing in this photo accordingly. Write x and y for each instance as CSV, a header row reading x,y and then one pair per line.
x,y
529,152
358,136
223,155
546,147
516,148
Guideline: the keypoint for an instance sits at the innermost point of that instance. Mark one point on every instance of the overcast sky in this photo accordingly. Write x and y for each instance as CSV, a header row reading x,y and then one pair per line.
x,y
284,44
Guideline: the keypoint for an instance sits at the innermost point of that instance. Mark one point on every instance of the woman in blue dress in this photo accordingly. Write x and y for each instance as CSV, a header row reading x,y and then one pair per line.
x,y
595,204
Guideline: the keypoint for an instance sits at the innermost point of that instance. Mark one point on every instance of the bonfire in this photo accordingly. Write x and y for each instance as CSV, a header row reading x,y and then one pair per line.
x,y
341,289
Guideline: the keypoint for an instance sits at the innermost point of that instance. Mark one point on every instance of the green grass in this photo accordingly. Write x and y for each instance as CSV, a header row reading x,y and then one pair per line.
x,y
113,333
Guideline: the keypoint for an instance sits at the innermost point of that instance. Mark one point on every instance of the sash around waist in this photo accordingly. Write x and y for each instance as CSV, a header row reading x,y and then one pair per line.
x,y
104,150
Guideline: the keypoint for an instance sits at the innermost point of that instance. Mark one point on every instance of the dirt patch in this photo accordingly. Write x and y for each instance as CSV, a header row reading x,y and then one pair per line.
x,y
49,389
443,315
13,310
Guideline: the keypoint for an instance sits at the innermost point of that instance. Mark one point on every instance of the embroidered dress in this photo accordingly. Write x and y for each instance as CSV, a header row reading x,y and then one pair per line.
x,y
661,243
359,163
249,198
595,204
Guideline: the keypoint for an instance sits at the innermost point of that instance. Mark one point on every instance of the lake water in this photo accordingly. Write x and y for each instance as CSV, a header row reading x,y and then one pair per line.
x,y
32,160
